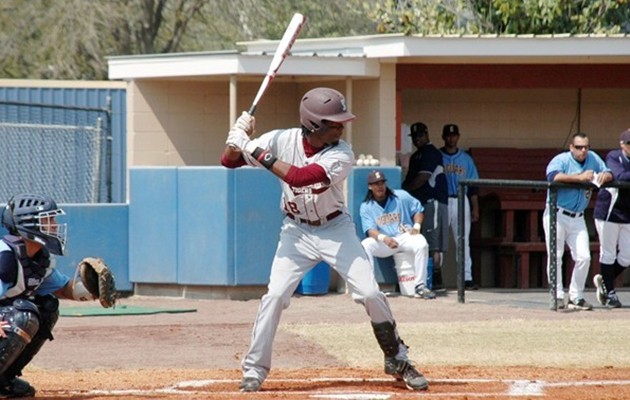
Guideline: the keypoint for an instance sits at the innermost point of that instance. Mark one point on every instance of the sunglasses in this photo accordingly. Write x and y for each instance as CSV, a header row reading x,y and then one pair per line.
x,y
580,147
628,142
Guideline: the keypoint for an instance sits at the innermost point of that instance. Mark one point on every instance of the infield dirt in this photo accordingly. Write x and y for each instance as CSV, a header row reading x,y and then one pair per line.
x,y
325,346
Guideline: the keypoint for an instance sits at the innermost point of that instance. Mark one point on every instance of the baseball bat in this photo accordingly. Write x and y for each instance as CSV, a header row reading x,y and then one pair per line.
x,y
288,38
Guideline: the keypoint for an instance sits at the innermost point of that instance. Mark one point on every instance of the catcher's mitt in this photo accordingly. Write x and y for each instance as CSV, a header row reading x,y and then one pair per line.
x,y
98,279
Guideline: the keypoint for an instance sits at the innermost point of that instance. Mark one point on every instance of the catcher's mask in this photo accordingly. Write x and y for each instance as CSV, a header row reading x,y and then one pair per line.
x,y
33,217
321,105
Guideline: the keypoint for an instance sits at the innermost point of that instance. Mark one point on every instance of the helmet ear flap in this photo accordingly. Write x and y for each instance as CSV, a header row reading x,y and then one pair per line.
x,y
8,219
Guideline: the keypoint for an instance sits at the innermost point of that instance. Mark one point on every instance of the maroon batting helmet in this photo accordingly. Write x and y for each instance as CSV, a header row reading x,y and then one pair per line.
x,y
323,104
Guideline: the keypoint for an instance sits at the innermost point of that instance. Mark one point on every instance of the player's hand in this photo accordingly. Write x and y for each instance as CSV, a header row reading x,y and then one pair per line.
x,y
390,242
587,175
237,138
4,325
246,122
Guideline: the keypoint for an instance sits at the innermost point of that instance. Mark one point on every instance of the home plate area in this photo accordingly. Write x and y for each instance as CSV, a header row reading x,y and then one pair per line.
x,y
353,388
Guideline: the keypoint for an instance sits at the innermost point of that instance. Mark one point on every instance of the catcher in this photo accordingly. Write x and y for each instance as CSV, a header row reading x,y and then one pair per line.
x,y
30,285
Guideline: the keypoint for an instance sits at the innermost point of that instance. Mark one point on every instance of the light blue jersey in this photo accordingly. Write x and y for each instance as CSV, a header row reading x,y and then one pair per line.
x,y
459,165
393,219
575,200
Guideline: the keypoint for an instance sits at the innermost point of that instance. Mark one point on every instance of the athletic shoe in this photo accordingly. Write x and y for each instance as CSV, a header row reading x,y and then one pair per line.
x,y
602,293
470,285
580,304
559,303
15,387
249,384
612,301
390,367
423,293
413,379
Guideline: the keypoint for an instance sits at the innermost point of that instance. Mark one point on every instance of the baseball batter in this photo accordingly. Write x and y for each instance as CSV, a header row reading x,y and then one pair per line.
x,y
579,164
459,165
612,221
312,163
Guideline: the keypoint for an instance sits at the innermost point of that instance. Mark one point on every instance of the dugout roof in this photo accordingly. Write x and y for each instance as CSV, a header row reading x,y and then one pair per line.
x,y
361,56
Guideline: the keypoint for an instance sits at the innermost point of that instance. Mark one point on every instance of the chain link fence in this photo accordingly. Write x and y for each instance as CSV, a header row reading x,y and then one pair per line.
x,y
57,150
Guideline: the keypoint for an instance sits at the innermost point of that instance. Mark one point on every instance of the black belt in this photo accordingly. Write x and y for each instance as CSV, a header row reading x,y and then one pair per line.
x,y
571,214
452,197
318,222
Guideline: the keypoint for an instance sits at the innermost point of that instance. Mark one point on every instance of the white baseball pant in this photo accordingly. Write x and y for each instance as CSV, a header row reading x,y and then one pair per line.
x,y
614,242
573,232
414,245
300,247
453,223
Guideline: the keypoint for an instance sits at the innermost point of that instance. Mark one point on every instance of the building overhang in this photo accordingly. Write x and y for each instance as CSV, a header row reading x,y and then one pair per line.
x,y
361,56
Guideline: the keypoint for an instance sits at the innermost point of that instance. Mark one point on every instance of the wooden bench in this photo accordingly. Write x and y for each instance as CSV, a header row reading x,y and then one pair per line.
x,y
510,226
515,264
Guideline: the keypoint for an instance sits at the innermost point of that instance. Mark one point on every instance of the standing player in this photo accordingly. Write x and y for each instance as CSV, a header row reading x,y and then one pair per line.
x,y
392,220
459,165
312,163
30,285
578,165
426,182
612,221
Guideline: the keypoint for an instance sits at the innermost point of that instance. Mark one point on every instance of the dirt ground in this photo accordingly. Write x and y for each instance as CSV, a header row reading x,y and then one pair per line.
x,y
499,344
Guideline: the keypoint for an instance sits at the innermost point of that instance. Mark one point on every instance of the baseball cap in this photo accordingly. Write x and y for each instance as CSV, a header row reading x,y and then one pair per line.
x,y
418,129
450,129
625,136
376,176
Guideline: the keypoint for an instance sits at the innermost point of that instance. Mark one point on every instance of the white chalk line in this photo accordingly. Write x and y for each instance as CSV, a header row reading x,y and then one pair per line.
x,y
516,388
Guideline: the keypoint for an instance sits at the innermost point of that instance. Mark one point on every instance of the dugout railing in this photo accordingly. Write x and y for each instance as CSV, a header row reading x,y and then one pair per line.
x,y
551,187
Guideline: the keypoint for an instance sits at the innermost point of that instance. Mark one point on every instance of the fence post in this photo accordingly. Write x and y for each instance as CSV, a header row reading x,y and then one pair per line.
x,y
460,255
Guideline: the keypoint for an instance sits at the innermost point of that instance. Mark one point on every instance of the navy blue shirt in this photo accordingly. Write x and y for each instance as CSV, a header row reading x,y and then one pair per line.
x,y
613,204
428,159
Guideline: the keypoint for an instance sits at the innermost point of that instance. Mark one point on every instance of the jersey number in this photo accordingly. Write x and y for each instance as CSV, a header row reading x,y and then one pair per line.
x,y
291,207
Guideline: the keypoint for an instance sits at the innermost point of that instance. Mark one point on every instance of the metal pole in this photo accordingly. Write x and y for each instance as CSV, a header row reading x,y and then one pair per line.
x,y
108,150
460,255
553,245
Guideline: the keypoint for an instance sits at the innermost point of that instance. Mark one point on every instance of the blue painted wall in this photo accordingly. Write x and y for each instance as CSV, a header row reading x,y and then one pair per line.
x,y
214,226
96,231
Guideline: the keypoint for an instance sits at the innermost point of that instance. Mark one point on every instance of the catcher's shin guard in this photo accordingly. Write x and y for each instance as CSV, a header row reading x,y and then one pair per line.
x,y
23,318
48,315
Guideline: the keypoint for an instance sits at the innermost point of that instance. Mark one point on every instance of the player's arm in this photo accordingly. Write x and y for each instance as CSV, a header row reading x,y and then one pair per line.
x,y
617,168
238,142
418,219
381,237
417,181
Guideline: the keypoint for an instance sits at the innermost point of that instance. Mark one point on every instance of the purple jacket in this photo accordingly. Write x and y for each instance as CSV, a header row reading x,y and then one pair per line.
x,y
613,204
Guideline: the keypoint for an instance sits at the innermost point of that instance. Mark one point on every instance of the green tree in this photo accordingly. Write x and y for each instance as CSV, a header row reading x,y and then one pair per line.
x,y
502,16
70,39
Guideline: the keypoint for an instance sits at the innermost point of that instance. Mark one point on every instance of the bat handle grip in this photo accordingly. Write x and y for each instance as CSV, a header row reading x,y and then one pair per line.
x,y
252,109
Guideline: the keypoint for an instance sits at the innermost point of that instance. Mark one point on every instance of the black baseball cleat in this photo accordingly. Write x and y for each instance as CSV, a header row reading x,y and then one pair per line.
x,y
249,384
404,371
601,292
15,387
470,285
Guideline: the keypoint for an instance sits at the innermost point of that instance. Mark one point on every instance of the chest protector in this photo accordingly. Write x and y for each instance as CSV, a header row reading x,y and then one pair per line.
x,y
31,272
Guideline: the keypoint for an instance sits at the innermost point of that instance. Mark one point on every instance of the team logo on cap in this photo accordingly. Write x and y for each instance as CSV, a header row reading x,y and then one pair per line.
x,y
343,105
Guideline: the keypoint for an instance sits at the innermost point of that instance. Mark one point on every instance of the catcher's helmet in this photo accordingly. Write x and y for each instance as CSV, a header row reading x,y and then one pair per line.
x,y
323,104
33,217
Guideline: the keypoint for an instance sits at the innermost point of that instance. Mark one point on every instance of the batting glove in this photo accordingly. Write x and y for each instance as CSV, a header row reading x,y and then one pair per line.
x,y
238,138
246,122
